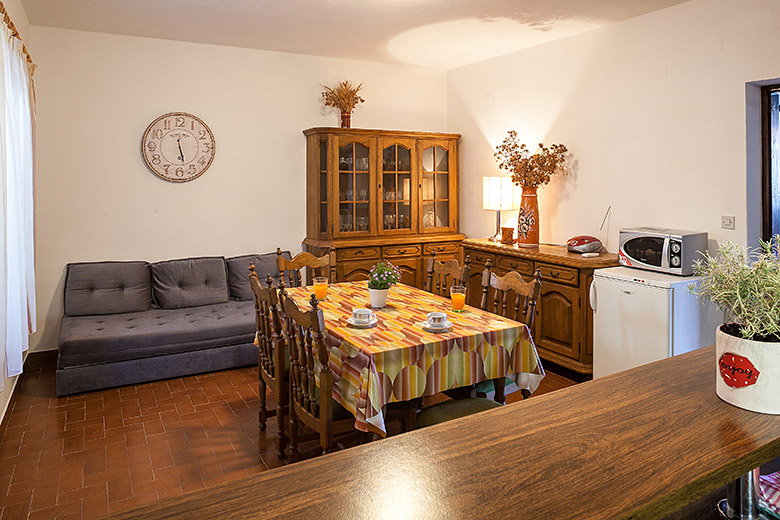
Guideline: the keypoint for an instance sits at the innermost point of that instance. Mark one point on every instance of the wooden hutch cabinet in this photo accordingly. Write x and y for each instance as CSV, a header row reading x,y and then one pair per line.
x,y
375,194
563,325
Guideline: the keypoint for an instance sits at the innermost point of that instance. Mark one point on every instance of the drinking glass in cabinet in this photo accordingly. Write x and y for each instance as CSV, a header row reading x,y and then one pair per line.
x,y
362,223
363,194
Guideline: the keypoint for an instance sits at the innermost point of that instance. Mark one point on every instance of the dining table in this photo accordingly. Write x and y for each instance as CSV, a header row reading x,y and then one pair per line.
x,y
399,359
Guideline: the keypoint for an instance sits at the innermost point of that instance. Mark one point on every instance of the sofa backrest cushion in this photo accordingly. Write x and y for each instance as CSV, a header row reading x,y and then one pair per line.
x,y
189,282
107,288
238,272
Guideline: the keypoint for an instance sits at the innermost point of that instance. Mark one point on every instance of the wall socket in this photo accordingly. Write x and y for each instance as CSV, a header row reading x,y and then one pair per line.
x,y
727,221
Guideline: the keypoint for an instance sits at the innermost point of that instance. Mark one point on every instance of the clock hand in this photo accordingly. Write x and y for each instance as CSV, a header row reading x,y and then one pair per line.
x,y
181,154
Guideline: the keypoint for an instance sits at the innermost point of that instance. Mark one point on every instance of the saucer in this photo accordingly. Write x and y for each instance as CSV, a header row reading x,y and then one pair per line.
x,y
427,326
359,325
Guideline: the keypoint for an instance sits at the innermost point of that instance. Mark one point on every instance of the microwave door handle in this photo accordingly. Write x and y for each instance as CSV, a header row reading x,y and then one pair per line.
x,y
665,253
592,295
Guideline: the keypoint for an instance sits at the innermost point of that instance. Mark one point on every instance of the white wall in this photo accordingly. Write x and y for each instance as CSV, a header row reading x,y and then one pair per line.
x,y
95,198
652,109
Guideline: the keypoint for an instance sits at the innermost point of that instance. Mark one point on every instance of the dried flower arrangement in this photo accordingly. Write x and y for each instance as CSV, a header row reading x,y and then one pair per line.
x,y
343,96
530,170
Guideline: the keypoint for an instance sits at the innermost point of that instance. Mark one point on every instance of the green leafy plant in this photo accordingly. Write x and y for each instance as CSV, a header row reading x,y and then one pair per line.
x,y
383,275
746,284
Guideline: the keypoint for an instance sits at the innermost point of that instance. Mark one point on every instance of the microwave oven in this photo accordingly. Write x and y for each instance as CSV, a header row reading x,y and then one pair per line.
x,y
671,251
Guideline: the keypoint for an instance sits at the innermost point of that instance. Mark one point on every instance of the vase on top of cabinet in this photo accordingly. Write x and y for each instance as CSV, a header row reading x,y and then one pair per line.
x,y
375,194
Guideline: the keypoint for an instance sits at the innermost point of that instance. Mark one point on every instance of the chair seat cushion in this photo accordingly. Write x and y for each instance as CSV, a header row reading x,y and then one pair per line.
x,y
488,387
89,340
449,410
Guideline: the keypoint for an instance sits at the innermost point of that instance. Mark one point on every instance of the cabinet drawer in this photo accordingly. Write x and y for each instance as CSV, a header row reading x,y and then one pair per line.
x,y
406,250
556,273
516,264
441,248
478,257
358,253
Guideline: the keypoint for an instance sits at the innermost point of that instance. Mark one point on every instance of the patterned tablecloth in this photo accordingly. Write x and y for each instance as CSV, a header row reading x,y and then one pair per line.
x,y
396,360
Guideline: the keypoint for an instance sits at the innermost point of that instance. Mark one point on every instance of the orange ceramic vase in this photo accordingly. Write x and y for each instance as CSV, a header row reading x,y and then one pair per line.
x,y
528,219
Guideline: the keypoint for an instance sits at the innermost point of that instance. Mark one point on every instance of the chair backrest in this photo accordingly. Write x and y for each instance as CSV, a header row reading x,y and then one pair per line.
x,y
523,308
305,335
324,265
267,322
443,274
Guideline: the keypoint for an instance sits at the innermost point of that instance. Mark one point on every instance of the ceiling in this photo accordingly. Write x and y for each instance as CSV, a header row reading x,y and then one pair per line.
x,y
435,33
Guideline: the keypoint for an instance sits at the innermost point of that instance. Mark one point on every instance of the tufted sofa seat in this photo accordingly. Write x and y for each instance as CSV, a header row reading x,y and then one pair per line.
x,y
132,322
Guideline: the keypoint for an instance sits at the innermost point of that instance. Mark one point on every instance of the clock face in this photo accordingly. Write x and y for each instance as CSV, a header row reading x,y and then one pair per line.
x,y
178,147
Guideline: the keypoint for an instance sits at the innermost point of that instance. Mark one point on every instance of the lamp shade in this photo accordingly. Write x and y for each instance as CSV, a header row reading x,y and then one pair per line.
x,y
499,194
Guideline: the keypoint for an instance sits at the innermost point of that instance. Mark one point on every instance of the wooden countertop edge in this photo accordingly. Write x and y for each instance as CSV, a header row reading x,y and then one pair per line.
x,y
551,253
744,440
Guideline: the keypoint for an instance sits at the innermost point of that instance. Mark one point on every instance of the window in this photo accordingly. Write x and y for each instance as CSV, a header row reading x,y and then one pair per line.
x,y
770,107
17,274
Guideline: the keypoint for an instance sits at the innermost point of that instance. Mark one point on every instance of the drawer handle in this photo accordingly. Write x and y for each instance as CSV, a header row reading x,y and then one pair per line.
x,y
360,252
401,251
514,265
554,274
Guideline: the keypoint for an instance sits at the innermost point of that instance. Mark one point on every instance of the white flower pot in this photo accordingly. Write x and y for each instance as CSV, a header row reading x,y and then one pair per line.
x,y
748,373
378,297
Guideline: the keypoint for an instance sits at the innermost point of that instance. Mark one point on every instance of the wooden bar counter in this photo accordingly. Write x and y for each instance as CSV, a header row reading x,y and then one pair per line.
x,y
637,444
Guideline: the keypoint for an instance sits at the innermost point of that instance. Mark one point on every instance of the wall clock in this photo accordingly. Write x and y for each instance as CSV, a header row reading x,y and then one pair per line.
x,y
178,147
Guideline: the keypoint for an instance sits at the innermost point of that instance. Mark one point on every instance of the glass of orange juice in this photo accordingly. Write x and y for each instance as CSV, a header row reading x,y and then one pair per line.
x,y
321,287
458,296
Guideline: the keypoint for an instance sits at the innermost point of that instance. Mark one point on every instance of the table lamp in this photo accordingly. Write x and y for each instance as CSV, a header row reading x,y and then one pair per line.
x,y
499,194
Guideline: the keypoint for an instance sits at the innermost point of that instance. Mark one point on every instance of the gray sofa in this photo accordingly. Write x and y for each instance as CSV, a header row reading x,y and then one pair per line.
x,y
132,322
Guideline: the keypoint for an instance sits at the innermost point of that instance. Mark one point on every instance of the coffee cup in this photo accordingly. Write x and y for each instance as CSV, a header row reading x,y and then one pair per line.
x,y
361,315
437,319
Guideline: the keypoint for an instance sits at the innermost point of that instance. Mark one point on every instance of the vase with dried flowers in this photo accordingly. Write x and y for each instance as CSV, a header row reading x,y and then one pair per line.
x,y
529,171
343,96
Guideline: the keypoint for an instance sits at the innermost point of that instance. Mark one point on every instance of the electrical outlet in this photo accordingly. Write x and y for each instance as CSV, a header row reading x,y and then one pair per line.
x,y
727,221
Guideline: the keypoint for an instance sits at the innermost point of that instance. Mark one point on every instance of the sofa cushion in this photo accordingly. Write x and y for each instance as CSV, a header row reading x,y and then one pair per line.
x,y
189,282
118,337
107,288
238,272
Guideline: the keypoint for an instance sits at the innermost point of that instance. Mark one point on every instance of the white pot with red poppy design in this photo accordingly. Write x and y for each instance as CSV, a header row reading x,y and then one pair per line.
x,y
748,373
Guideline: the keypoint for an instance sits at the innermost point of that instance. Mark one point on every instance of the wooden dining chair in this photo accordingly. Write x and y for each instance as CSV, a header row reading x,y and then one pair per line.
x,y
514,298
272,358
443,274
324,265
311,381
520,307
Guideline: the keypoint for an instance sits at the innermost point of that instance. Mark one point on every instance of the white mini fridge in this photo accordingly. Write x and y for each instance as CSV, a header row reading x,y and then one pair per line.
x,y
643,316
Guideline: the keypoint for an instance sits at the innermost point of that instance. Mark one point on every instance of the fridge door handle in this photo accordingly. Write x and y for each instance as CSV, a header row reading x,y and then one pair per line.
x,y
592,295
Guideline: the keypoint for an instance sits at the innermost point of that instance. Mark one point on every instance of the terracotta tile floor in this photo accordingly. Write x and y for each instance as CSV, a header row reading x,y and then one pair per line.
x,y
90,454
87,455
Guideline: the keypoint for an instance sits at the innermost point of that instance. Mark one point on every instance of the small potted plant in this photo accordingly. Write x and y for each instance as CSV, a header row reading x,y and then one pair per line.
x,y
746,285
343,96
381,277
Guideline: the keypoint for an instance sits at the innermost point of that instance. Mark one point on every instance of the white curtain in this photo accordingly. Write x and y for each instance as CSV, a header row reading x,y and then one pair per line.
x,y
17,277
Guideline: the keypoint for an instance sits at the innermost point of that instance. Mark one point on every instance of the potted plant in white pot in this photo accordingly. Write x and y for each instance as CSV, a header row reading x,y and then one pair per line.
x,y
746,284
381,277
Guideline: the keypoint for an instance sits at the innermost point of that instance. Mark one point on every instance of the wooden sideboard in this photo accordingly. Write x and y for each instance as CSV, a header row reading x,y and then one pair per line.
x,y
563,327
375,194
637,444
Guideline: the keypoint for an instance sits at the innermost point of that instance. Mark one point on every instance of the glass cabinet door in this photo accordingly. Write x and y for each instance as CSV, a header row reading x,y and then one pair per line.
x,y
436,197
397,195
353,187
322,168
